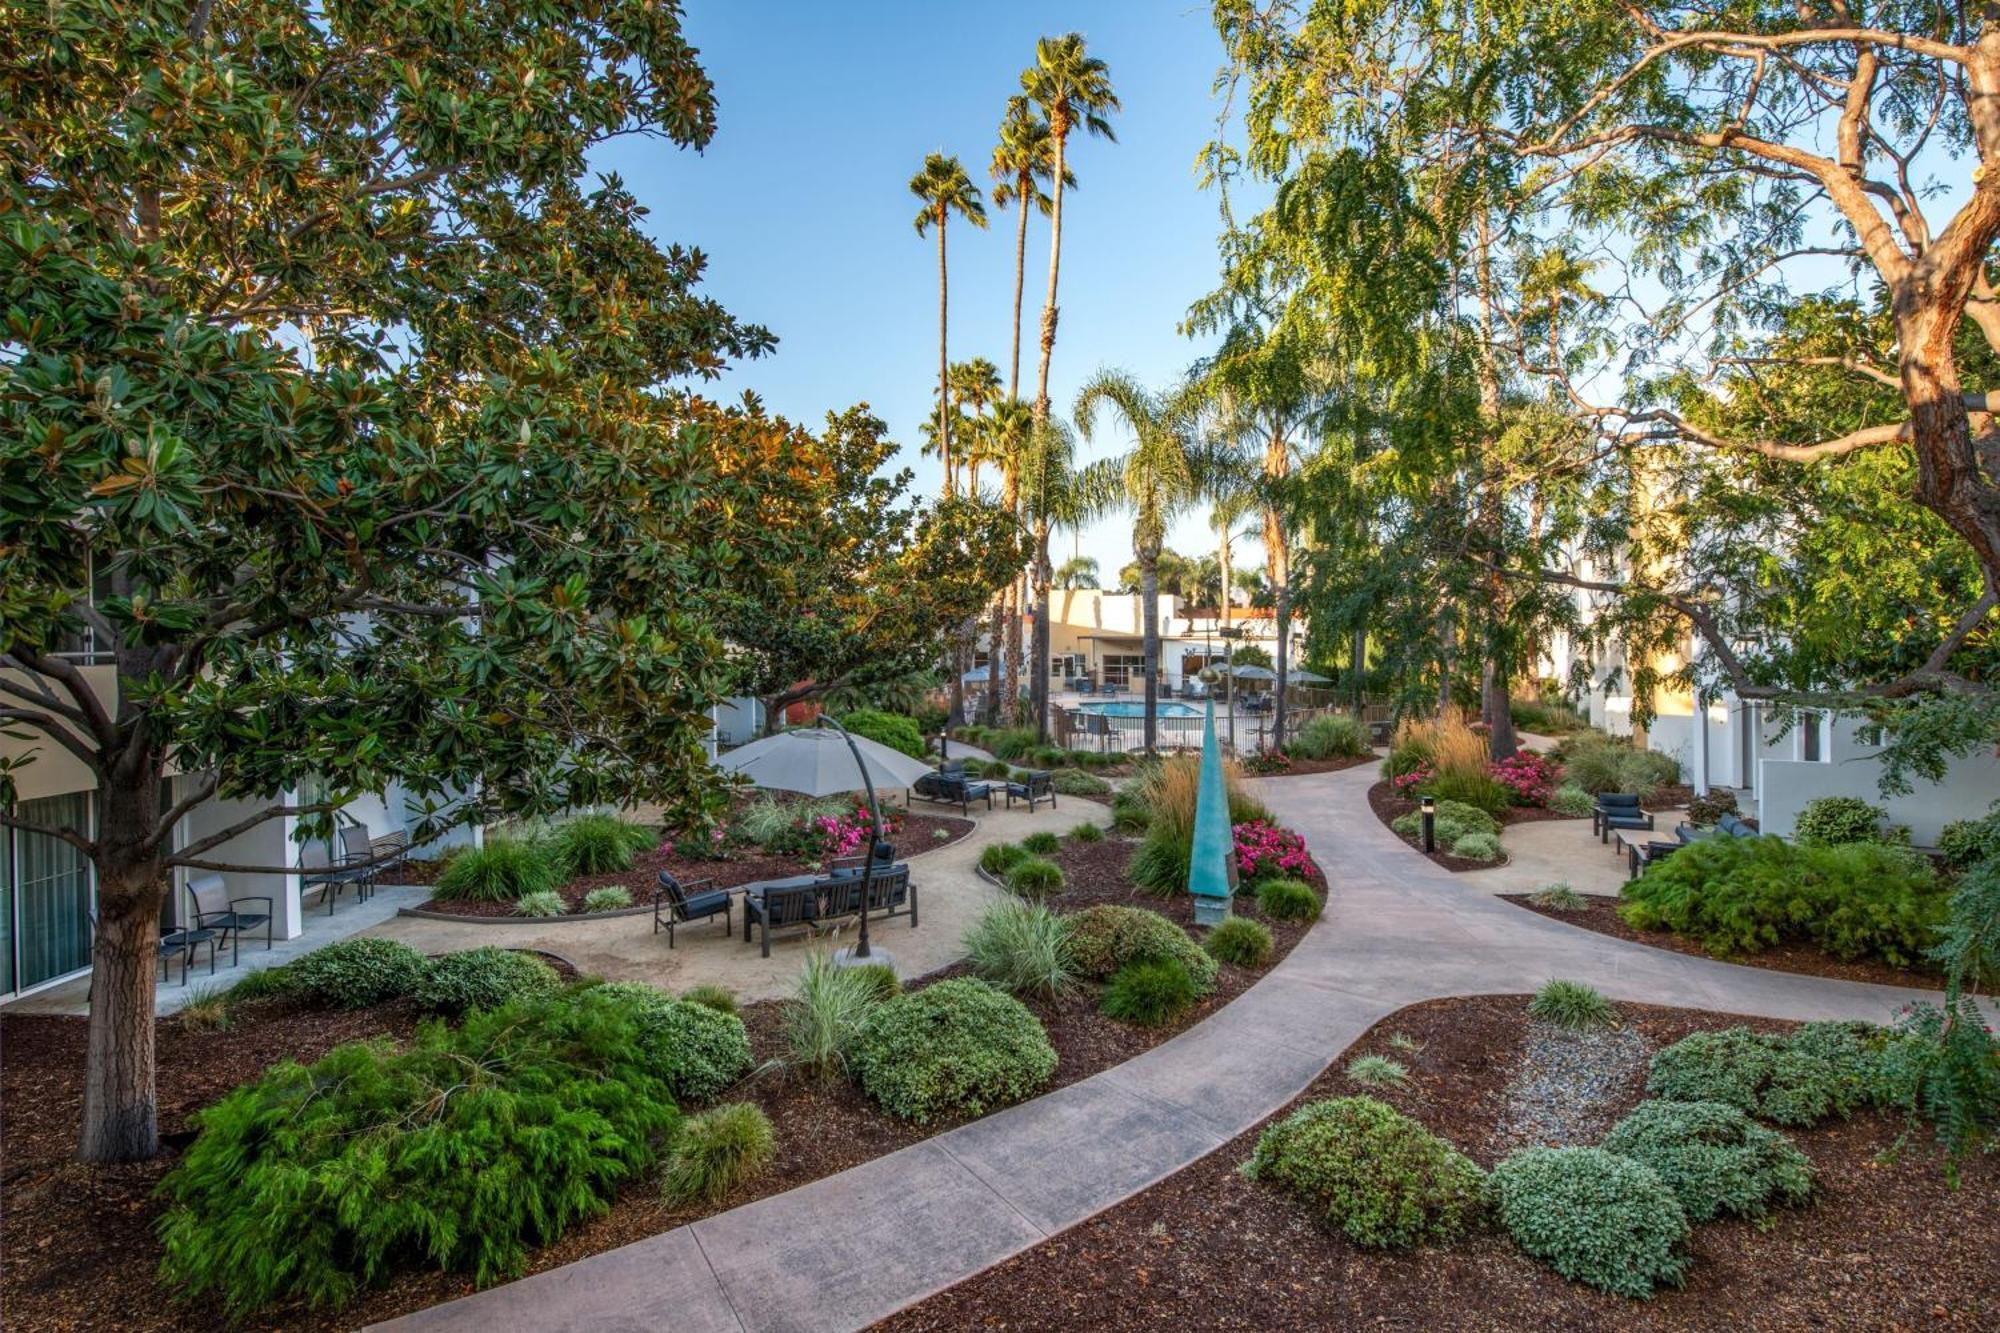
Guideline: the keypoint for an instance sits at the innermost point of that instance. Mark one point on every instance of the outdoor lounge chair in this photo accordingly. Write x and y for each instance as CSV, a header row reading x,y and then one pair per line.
x,y
781,909
1086,686
1617,810
674,905
1036,785
1734,827
890,889
1644,854
950,786
215,910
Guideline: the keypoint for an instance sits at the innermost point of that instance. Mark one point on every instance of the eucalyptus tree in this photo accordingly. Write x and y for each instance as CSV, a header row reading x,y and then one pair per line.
x,y
1073,90
945,189
1159,477
1023,162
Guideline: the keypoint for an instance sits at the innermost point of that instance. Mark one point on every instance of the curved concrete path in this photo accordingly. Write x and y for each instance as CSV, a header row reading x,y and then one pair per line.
x,y
845,1251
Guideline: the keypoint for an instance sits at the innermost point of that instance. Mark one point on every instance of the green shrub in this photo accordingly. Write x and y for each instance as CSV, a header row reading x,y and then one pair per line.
x,y
483,978
1743,895
1035,878
1042,843
1821,1071
1572,800
1594,1217
717,1151
1558,898
1713,1157
354,973
1832,820
955,1048
1104,938
1450,821
610,898
1086,833
891,729
1599,763
719,998
1076,782
547,902
699,1049
1000,857
1378,1071
1288,900
1707,811
1239,940
1573,1006
824,1017
463,1149
1012,743
1022,948
1370,1173
1330,736
599,844
1476,847
1967,842
1151,992
1128,812
501,871
992,768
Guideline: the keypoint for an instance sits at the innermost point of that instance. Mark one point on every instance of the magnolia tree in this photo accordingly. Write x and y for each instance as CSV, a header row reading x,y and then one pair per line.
x,y
352,394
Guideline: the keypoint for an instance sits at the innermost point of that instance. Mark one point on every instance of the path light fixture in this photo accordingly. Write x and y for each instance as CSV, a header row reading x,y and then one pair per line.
x,y
1429,806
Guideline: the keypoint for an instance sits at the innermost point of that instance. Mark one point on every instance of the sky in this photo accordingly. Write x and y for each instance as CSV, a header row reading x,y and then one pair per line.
x,y
802,206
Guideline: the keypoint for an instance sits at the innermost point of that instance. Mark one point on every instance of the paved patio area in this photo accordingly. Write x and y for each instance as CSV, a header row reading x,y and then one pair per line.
x,y
845,1251
1550,851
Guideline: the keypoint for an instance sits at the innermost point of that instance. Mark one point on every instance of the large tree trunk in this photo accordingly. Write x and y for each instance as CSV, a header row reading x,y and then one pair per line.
x,y
1496,707
1278,569
120,1106
944,364
1023,194
1038,687
1149,628
1043,573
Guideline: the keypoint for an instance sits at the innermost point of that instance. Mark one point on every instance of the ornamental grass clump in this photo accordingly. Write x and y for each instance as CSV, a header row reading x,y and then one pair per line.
x,y
501,871
463,1149
1377,1071
1572,801
1022,948
1150,992
954,1048
1166,790
1104,938
1036,879
716,1151
998,858
609,898
1558,898
483,978
1329,736
599,844
1086,833
1714,1158
354,973
1370,1172
1595,1217
1288,900
1239,940
825,1015
548,902
1572,1006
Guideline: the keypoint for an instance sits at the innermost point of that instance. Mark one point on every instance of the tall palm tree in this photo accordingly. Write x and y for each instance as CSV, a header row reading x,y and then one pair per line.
x,y
1008,434
1073,89
1055,493
1022,160
1078,571
1160,476
975,384
945,189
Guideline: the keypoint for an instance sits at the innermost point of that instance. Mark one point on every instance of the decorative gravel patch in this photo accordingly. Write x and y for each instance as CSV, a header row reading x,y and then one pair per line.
x,y
1567,1084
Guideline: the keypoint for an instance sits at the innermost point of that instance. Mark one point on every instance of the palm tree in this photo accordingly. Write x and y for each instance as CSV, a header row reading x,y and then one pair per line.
x,y
975,384
1022,160
1008,433
1079,571
1160,476
1072,88
945,189
1056,494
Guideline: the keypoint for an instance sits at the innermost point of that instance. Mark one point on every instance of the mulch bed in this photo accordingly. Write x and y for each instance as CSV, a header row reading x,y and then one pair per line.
x,y
76,1243
919,834
1300,767
1389,807
1601,915
1887,1244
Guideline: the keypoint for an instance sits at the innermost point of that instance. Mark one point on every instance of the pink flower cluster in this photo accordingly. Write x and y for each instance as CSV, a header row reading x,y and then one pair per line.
x,y
1263,851
1529,778
844,835
1406,784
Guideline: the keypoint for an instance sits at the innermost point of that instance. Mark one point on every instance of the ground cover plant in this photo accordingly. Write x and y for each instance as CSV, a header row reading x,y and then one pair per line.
x,y
1594,1217
1714,1158
351,973
486,978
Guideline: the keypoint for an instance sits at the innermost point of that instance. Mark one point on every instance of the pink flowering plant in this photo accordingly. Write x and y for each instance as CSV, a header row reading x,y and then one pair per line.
x,y
1529,778
845,835
1265,851
1407,785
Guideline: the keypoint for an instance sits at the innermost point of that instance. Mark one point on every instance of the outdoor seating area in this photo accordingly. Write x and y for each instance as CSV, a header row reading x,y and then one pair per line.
x,y
808,904
950,785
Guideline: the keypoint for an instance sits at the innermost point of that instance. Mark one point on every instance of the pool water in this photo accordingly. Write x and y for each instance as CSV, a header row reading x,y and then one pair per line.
x,y
1137,708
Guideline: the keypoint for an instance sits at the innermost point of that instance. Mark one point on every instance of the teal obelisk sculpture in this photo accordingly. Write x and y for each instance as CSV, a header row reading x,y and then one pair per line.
x,y
1212,868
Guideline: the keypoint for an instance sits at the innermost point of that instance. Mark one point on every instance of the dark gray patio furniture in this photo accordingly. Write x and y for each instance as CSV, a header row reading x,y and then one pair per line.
x,y
184,943
787,908
1035,786
674,904
1734,827
215,910
1643,854
1617,810
950,786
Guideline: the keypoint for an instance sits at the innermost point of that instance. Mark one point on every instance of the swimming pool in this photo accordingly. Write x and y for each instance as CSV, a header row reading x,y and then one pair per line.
x,y
1137,708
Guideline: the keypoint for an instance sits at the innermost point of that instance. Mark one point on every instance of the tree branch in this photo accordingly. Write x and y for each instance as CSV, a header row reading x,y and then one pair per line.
x,y
70,836
184,856
56,731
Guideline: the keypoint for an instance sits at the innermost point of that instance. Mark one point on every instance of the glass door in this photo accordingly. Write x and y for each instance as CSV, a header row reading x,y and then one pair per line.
x,y
51,889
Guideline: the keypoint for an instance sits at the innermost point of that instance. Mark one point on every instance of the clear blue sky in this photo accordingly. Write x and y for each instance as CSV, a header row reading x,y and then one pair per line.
x,y
802,203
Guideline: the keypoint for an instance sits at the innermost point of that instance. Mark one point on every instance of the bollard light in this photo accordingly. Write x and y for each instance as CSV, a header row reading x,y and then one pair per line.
x,y
1429,806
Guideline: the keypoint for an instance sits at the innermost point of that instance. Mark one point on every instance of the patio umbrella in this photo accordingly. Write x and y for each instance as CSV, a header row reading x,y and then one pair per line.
x,y
816,761
1255,673
976,676
1309,677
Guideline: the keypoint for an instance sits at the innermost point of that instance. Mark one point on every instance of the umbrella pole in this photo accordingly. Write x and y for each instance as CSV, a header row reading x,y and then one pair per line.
x,y
874,830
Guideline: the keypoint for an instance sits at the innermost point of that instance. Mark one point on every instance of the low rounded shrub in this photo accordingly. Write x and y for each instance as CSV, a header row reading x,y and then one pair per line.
x,y
1713,1157
484,978
1000,857
1476,847
1288,900
1076,782
1572,800
1558,898
1572,1006
1450,821
1370,1172
598,844
719,998
1707,811
1820,1071
699,1049
1829,821
1967,842
1086,833
1330,736
1042,843
891,729
354,973
1239,940
548,902
954,1048
716,1151
1022,948
992,768
608,898
501,871
1035,878
1595,1217
1151,992
1104,938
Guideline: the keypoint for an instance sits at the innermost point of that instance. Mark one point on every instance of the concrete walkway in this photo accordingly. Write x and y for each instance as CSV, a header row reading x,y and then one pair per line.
x,y
845,1251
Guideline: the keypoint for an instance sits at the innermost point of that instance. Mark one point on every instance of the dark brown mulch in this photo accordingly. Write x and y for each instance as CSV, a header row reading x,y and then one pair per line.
x,y
918,834
1299,767
1601,915
1389,807
1888,1244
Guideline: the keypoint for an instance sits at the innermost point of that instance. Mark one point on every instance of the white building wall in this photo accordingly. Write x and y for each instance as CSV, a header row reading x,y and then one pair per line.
x,y
1969,788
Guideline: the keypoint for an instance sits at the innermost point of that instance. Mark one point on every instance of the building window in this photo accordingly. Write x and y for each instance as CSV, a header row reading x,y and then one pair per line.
x,y
87,647
1811,745
1122,669
46,895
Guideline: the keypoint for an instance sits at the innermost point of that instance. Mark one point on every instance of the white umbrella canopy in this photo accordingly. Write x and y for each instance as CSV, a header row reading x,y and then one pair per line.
x,y
1252,672
1309,677
815,761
